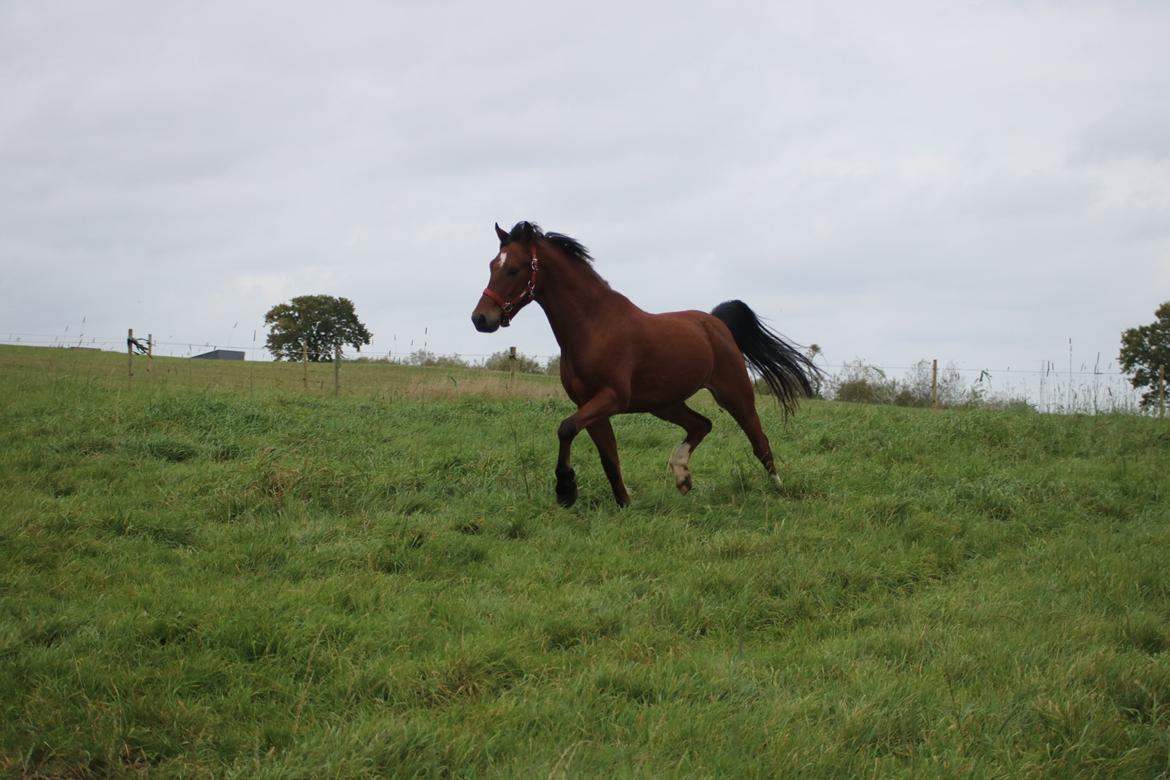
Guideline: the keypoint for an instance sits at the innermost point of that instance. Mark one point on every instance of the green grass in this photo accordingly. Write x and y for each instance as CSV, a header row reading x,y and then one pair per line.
x,y
199,577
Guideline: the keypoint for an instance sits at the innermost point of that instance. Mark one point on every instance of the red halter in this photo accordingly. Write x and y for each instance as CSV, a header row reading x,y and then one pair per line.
x,y
526,296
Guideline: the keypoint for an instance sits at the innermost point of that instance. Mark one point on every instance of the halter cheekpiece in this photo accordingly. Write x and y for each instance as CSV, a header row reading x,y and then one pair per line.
x,y
527,295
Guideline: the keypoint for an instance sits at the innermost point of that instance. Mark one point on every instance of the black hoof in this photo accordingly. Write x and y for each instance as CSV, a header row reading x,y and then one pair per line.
x,y
567,494
567,488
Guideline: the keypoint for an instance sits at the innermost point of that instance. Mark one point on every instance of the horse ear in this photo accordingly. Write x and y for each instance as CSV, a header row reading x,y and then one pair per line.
x,y
529,231
503,234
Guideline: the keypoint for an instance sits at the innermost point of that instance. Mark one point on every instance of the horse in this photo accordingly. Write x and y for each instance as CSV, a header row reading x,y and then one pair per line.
x,y
618,359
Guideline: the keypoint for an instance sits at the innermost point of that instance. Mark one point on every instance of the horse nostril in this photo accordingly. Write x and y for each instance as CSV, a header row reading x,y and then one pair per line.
x,y
479,320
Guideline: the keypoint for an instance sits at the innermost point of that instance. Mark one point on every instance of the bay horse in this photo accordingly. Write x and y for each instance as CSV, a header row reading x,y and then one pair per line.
x,y
617,359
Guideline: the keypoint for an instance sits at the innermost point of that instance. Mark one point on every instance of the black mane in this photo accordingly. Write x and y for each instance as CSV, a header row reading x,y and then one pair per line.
x,y
567,244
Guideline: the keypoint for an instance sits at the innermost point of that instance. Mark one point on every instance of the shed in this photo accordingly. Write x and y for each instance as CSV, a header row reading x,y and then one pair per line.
x,y
221,354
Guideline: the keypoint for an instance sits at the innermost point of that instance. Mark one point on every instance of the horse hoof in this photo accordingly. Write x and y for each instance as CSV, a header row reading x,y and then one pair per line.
x,y
567,491
566,485
778,483
685,484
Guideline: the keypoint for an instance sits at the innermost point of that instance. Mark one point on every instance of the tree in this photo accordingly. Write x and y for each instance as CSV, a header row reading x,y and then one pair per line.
x,y
318,323
1144,350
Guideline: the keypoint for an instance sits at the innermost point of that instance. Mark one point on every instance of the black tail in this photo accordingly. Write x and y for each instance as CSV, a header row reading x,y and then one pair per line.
x,y
788,373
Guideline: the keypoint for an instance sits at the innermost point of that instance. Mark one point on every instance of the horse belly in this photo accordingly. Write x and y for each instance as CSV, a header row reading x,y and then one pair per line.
x,y
677,364
658,362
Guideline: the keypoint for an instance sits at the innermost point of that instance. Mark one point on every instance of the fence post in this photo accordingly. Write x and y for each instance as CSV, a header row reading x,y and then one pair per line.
x,y
337,369
149,352
1161,391
129,355
934,384
511,367
305,364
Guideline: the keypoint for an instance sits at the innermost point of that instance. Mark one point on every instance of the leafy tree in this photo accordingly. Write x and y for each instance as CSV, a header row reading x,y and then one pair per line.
x,y
318,322
1144,350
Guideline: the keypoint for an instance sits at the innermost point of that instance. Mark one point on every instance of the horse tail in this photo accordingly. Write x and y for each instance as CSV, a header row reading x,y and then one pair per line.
x,y
788,373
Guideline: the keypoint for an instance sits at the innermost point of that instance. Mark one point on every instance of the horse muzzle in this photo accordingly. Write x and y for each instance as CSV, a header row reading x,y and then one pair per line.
x,y
484,322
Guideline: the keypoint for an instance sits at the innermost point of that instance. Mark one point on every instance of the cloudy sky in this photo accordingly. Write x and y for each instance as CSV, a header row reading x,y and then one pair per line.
x,y
978,182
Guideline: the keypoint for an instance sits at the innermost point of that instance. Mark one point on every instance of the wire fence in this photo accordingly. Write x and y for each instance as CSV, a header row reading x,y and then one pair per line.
x,y
1048,387
172,347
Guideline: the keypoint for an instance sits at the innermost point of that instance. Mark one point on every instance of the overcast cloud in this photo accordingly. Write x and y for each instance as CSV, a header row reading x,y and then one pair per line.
x,y
974,181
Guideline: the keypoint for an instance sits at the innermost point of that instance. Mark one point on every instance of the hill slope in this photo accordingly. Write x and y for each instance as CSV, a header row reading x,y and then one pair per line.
x,y
196,581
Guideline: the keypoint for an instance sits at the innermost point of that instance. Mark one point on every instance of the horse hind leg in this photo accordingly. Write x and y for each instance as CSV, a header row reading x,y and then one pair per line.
x,y
697,427
738,398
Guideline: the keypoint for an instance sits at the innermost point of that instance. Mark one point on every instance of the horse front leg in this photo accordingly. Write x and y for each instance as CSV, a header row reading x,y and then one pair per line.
x,y
602,434
600,407
566,477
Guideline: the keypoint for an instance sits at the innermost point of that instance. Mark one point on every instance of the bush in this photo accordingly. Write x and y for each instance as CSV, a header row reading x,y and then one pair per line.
x,y
915,388
861,384
502,361
422,357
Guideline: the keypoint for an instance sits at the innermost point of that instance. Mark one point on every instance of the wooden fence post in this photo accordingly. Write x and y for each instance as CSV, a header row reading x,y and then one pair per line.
x,y
129,355
934,384
1161,391
149,352
305,364
511,367
337,369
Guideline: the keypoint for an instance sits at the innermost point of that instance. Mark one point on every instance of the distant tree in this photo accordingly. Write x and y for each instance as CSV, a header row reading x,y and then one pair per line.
x,y
553,366
318,323
1144,350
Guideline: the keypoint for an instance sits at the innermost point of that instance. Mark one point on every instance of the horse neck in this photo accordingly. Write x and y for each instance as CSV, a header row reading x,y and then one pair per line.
x,y
572,297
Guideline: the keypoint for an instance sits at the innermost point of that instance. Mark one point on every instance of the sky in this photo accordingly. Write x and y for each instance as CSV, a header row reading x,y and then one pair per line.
x,y
985,183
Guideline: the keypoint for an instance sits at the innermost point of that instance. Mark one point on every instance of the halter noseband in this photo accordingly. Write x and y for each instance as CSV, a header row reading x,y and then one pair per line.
x,y
526,296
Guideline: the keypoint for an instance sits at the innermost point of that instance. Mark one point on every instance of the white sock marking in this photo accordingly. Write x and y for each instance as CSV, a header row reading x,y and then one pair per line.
x,y
678,462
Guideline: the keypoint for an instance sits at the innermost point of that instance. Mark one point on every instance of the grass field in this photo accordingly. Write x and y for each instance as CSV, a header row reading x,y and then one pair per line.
x,y
205,574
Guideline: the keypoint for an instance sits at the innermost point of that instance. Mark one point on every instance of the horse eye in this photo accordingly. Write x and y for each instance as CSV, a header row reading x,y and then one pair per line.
x,y
512,271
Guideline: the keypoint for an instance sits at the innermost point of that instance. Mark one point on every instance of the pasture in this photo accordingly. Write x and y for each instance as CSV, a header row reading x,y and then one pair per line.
x,y
205,574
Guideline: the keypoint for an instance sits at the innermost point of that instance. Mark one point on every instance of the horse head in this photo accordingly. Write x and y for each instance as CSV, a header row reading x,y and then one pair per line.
x,y
511,280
